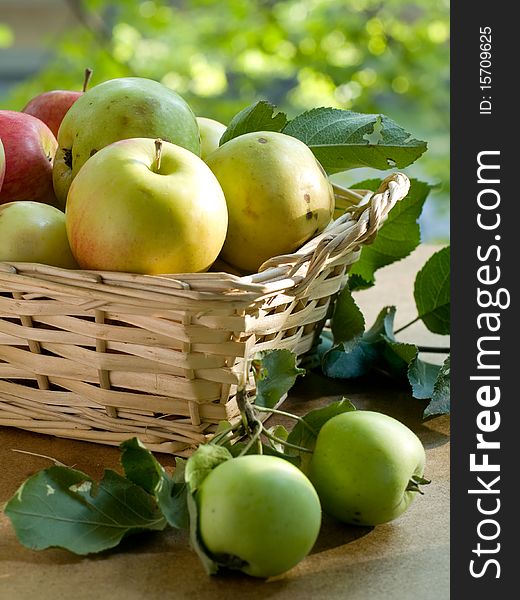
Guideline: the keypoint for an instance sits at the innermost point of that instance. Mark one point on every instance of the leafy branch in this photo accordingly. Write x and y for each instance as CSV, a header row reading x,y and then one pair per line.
x,y
63,507
340,139
349,351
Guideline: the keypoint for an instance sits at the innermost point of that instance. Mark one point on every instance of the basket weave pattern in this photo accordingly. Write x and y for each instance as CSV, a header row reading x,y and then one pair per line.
x,y
103,356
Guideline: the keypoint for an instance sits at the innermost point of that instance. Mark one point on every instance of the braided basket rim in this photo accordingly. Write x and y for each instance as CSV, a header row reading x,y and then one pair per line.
x,y
290,273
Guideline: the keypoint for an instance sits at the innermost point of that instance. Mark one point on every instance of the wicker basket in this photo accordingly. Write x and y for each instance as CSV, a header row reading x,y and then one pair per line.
x,y
102,356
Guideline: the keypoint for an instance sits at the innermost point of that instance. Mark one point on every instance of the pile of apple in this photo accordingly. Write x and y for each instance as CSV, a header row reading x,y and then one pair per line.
x,y
124,177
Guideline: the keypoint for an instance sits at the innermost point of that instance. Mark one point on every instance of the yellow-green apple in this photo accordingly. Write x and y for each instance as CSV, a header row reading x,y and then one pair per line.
x,y
127,107
366,467
34,232
146,207
2,164
210,133
259,514
51,107
29,147
277,193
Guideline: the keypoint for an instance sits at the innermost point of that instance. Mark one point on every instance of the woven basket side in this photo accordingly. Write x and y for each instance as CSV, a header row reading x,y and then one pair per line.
x,y
104,375
104,356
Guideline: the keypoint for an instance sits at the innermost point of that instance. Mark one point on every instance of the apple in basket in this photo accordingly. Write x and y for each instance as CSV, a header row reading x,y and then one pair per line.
x,y
2,164
51,107
34,232
210,133
127,107
146,206
278,196
29,148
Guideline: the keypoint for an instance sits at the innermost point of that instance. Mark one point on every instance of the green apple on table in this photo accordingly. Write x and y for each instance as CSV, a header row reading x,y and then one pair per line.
x,y
258,512
366,467
277,193
210,133
122,108
146,206
34,232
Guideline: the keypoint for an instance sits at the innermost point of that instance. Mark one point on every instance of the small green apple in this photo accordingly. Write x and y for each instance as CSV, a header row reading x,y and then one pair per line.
x,y
131,208
277,193
34,232
366,467
210,133
127,107
261,511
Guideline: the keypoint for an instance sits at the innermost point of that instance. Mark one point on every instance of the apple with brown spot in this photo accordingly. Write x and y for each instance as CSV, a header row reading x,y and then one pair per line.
x,y
278,196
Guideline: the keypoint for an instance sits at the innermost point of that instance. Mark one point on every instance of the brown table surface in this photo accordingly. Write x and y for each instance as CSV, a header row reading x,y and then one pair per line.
x,y
405,559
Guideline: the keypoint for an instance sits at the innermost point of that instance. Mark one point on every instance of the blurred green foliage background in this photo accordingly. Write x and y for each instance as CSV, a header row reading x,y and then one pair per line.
x,y
374,56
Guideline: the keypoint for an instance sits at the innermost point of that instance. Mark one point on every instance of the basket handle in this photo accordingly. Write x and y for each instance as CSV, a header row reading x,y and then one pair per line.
x,y
346,234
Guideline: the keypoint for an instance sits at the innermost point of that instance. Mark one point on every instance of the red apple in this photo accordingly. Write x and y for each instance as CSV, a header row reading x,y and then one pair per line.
x,y
2,164
51,107
29,147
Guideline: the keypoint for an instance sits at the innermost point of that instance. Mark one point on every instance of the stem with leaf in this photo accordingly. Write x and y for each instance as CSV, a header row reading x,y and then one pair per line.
x,y
278,440
432,349
286,414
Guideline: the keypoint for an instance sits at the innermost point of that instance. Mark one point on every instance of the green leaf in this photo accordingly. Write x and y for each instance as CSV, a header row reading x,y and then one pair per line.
x,y
356,357
270,451
142,468
376,350
280,432
422,376
398,236
432,292
343,139
200,464
210,566
257,117
62,507
347,320
305,436
440,402
312,359
275,372
396,357
346,361
173,498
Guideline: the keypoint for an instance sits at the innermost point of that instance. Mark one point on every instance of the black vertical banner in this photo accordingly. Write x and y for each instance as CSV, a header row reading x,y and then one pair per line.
x,y
485,242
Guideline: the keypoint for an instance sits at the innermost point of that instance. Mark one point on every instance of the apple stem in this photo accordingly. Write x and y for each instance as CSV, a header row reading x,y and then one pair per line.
x,y
255,434
251,426
415,482
86,80
226,434
158,154
284,443
287,414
